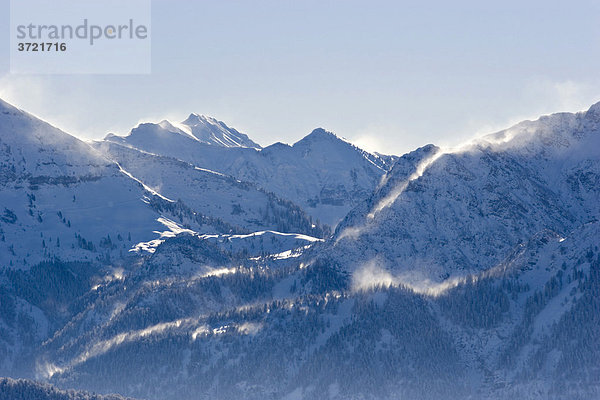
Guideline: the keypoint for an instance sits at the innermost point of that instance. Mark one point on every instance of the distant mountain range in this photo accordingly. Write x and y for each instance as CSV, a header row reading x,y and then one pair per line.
x,y
322,173
184,261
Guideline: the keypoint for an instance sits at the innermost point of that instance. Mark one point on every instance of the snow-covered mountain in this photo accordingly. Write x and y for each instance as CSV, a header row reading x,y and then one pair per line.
x,y
442,214
240,204
71,218
60,197
472,271
211,131
322,173
196,128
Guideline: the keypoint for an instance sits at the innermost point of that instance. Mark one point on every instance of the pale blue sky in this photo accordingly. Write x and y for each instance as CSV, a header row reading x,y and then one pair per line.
x,y
389,75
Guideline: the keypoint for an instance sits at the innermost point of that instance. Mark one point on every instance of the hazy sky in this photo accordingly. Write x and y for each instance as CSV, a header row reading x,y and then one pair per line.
x,y
387,75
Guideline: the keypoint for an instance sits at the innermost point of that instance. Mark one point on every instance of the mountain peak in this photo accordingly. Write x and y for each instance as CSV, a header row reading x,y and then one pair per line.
x,y
165,124
195,118
318,135
152,129
196,128
212,131
322,133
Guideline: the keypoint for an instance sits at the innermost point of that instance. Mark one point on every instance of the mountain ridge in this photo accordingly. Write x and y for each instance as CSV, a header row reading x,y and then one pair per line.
x,y
322,173
473,271
496,182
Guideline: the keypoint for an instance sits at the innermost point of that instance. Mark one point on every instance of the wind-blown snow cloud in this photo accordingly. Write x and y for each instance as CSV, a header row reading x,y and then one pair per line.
x,y
373,275
398,190
354,232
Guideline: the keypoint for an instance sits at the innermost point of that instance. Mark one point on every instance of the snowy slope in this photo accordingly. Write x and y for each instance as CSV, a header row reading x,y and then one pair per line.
x,y
322,173
55,187
220,196
529,322
461,211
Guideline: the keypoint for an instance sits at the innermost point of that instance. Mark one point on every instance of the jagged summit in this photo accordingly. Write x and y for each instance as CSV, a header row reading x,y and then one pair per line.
x,y
197,128
212,131
195,118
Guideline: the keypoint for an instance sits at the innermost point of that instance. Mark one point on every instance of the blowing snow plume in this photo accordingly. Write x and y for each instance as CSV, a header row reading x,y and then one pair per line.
x,y
372,276
398,190
353,232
